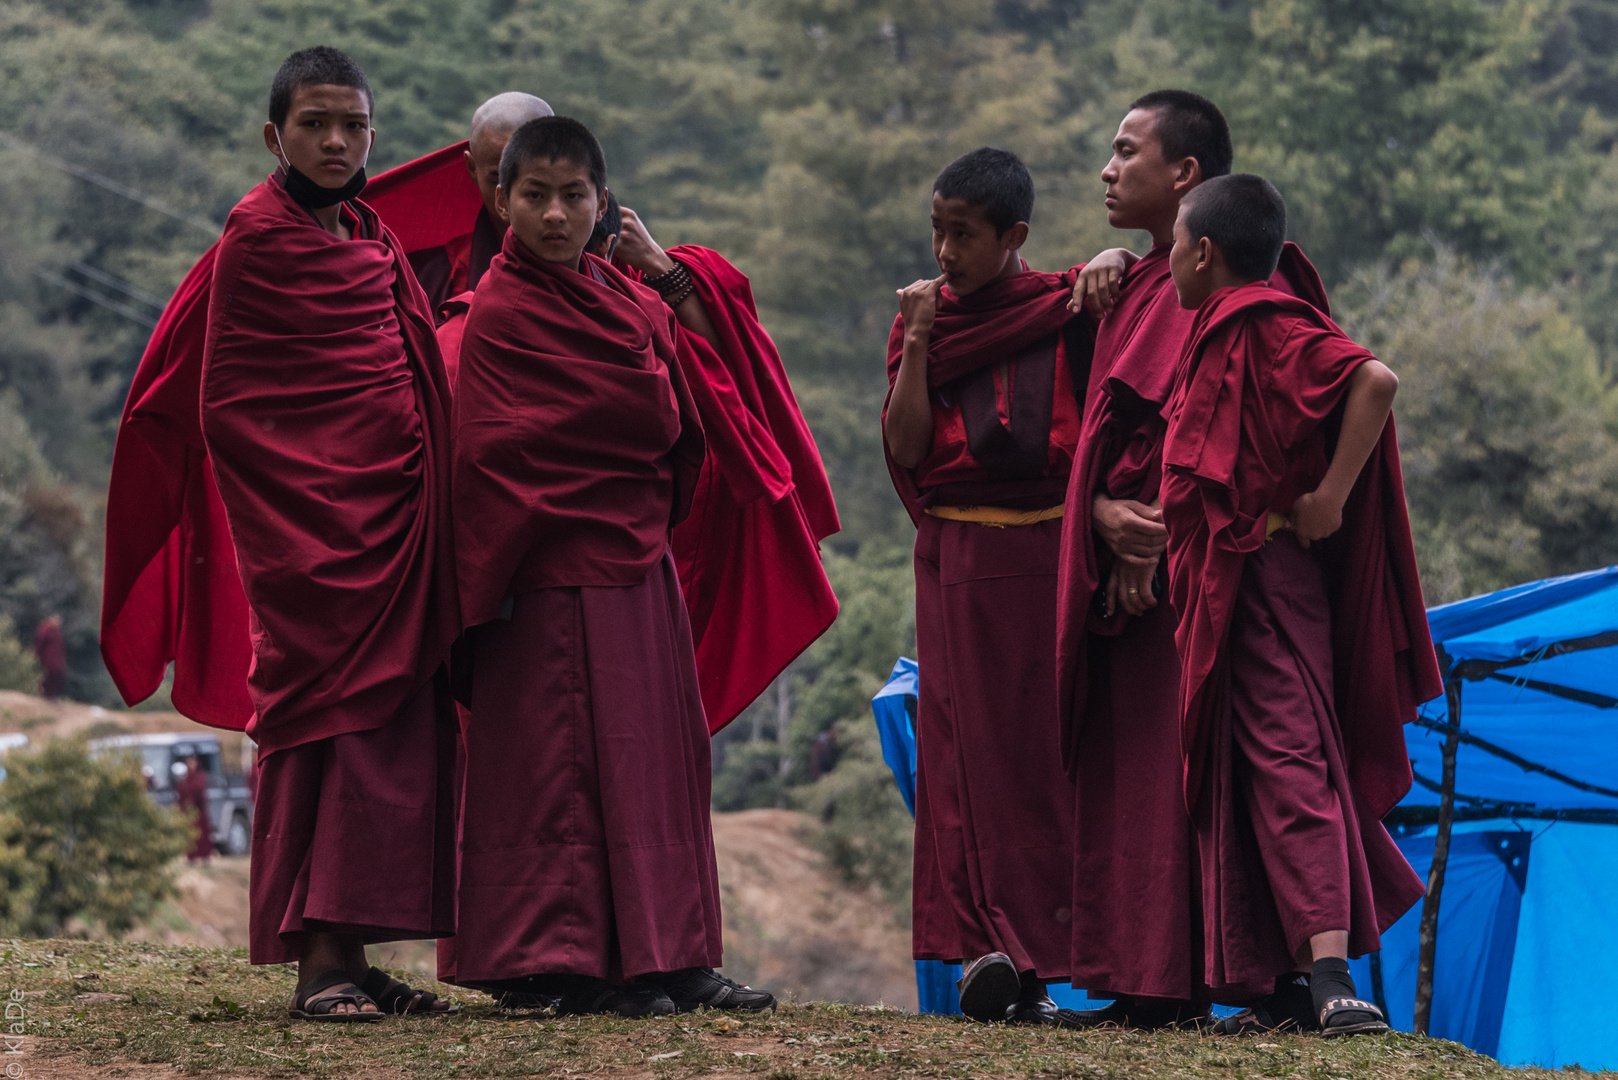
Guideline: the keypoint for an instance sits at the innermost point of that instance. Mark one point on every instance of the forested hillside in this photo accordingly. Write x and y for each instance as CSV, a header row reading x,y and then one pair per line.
x,y
1448,164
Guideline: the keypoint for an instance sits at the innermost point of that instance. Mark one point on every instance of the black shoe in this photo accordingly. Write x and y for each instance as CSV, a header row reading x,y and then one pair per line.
x,y
1142,1014
1033,1004
705,988
632,1002
989,986
1289,1007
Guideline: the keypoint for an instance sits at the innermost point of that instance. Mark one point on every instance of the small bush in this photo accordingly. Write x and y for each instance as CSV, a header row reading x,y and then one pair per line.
x,y
19,670
79,839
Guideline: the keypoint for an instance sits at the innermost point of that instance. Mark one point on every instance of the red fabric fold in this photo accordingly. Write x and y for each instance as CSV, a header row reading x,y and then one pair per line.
x,y
748,554
171,592
427,202
577,444
1120,451
1233,453
325,413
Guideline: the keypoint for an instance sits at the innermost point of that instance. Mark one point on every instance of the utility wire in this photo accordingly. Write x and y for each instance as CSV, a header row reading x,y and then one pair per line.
x,y
118,283
90,294
114,186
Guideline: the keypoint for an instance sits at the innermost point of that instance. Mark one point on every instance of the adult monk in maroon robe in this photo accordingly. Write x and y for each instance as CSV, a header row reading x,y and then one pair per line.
x,y
1303,642
1136,917
191,793
50,649
456,266
325,420
986,369
587,864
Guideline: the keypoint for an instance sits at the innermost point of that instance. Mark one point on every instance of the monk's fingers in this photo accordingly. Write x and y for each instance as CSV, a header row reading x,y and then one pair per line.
x,y
1112,594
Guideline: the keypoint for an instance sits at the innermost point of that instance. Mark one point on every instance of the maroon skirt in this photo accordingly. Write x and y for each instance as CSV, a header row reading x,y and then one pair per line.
x,y
585,842
994,808
355,834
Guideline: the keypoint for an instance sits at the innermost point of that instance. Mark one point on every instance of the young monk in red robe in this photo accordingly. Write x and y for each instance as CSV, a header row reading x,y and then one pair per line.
x,y
986,369
1303,641
587,863
1136,918
325,418
447,271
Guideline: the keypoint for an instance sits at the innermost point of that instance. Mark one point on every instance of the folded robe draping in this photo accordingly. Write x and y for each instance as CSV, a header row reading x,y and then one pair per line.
x,y
284,358
1136,928
1258,392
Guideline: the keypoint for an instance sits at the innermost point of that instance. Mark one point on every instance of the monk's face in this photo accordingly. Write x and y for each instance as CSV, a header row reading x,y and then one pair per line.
x,y
1192,264
968,251
553,208
1144,187
327,135
483,163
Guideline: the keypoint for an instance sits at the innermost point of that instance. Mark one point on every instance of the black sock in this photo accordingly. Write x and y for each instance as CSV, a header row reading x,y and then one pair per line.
x,y
1330,979
1030,987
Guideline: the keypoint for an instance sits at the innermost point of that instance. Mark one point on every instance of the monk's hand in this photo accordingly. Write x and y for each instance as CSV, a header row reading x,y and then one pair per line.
x,y
918,305
1134,531
637,248
1133,586
1315,516
1099,283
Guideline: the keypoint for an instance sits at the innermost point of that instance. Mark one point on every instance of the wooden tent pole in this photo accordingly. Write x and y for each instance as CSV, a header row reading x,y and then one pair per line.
x,y
1435,877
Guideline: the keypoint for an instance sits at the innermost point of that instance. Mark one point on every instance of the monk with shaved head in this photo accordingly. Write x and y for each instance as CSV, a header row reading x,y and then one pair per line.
x,y
457,266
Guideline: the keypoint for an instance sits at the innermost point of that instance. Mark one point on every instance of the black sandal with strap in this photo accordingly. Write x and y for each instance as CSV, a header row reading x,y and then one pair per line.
x,y
1351,1016
400,999
310,1003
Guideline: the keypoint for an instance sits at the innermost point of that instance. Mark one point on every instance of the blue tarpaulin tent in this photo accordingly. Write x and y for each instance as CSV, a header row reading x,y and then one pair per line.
x,y
1531,874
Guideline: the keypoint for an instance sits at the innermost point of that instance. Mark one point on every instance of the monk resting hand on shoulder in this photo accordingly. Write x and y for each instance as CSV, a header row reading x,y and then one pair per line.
x,y
637,248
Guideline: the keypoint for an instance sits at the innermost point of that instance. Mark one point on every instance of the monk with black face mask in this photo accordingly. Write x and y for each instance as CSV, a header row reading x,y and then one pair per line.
x,y
324,412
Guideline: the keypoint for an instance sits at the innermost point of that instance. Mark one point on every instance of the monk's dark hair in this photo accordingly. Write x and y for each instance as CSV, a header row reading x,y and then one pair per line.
x,y
555,138
1245,217
995,180
319,66
1190,126
611,223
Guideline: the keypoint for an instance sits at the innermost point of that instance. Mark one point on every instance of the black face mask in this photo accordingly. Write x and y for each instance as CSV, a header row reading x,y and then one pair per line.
x,y
310,195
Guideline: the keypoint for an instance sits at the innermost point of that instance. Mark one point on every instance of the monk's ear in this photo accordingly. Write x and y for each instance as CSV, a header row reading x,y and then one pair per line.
x,y
471,169
271,142
1187,176
502,205
1015,237
601,204
1205,255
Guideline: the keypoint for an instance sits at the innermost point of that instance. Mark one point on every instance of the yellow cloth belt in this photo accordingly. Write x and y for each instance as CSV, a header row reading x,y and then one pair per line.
x,y
995,517
1274,524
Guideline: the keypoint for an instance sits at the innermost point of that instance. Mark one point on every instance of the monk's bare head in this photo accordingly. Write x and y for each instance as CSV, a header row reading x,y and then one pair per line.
x,y
1229,232
320,116
1169,142
981,205
553,187
492,126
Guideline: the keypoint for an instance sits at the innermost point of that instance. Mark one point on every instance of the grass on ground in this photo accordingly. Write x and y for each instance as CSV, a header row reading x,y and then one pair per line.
x,y
99,1009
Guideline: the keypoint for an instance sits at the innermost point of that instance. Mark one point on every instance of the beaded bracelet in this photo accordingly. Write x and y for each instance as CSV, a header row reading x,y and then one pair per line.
x,y
674,285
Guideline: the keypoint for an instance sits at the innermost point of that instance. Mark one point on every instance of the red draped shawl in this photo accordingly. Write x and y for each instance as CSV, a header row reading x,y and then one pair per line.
x,y
1120,450
577,445
1258,390
324,390
971,332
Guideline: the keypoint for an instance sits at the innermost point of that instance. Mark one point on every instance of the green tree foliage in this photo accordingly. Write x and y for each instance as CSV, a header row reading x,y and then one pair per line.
x,y
94,847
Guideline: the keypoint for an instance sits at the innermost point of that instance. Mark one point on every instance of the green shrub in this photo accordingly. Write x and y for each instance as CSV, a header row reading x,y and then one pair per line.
x,y
19,670
79,839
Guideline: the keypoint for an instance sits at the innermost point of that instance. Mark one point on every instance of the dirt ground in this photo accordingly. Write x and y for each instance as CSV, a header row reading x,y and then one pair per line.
x,y
790,925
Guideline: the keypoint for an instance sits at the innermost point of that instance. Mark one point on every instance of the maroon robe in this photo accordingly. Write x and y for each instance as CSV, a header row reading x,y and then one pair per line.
x,y
1299,667
323,405
1136,916
585,845
993,807
191,793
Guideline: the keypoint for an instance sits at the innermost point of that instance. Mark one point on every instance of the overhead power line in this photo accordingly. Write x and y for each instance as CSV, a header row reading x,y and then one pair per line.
x,y
94,297
118,283
209,227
